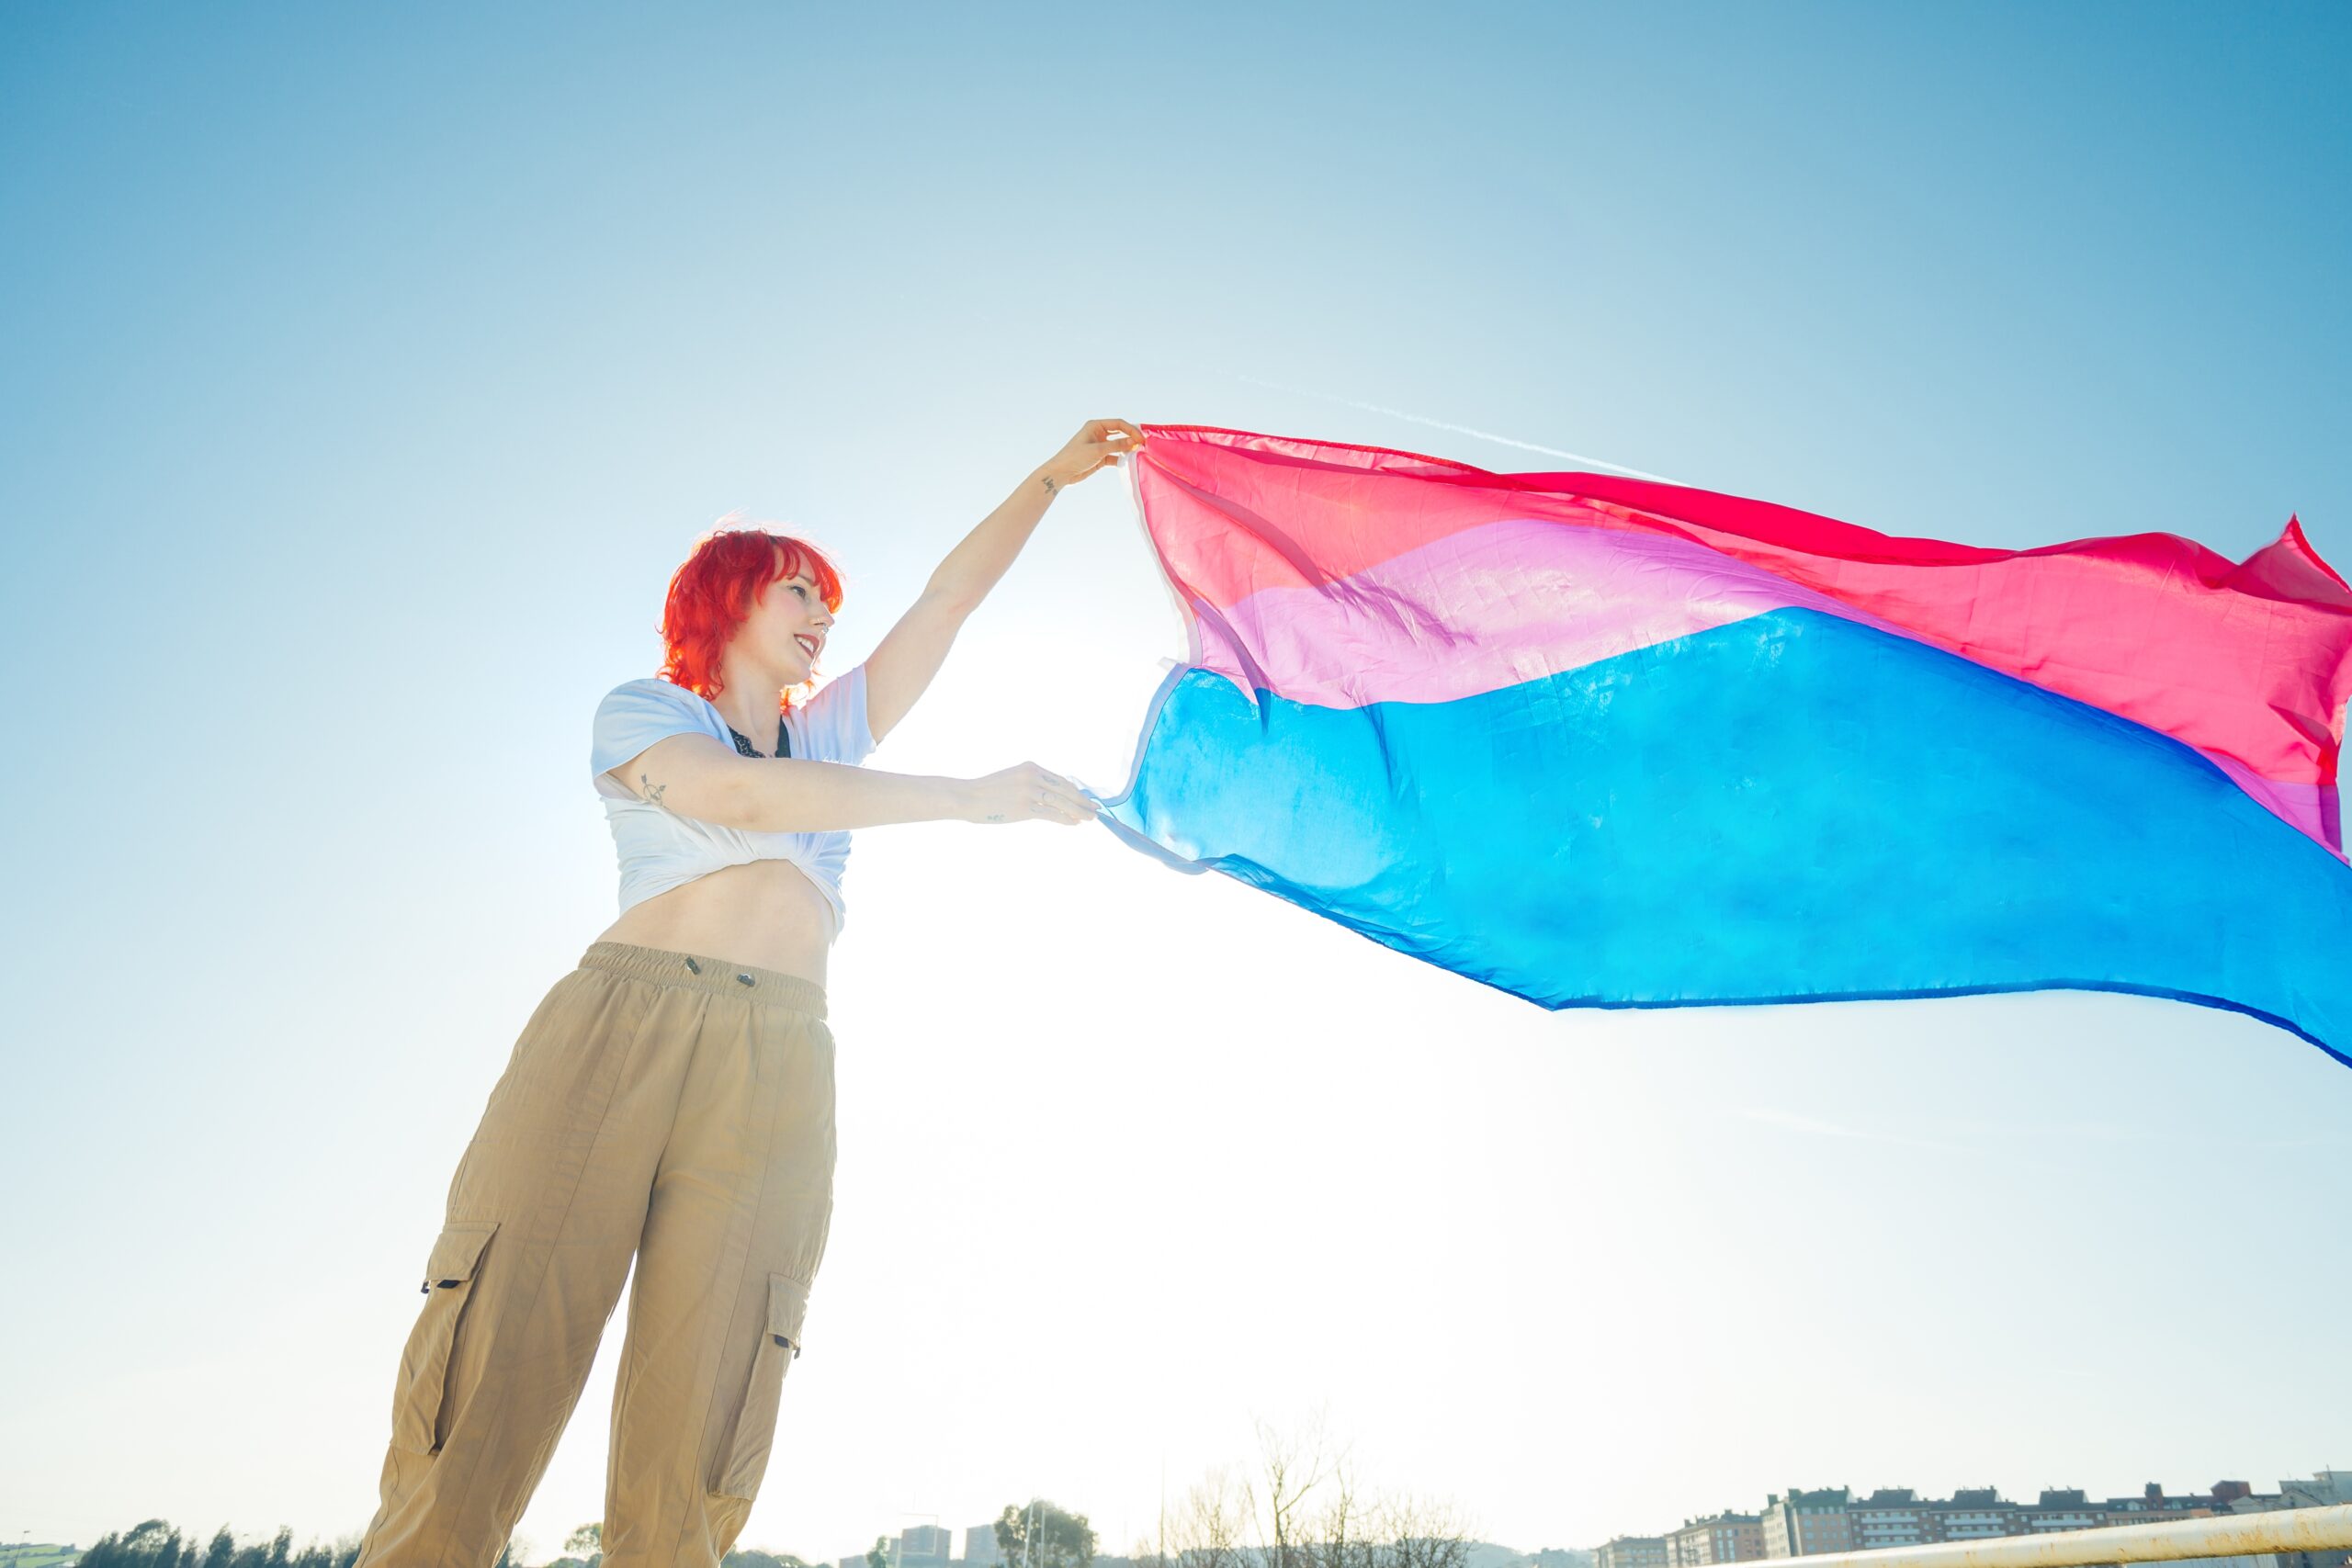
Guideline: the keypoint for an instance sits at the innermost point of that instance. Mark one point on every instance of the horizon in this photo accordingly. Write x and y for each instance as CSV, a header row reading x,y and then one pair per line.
x,y
372,374
540,1554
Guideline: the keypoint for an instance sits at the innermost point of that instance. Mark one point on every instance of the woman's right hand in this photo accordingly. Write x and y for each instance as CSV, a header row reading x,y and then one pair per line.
x,y
1026,793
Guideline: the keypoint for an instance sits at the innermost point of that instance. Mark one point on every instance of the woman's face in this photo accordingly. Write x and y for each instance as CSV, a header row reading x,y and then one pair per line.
x,y
787,627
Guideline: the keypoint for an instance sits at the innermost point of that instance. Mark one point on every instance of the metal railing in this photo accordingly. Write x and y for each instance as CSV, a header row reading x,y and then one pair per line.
x,y
2218,1535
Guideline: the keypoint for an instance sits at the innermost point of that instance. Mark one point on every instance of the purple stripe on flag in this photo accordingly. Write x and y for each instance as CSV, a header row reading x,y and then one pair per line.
x,y
1485,608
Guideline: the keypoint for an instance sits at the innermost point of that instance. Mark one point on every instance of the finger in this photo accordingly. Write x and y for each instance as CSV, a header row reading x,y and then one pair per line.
x,y
1132,432
1070,807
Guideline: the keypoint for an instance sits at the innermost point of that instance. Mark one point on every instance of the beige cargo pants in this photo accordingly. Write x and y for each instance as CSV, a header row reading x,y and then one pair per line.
x,y
673,1107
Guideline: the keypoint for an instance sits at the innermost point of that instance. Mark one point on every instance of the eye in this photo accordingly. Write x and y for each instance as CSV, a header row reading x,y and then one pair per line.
x,y
799,590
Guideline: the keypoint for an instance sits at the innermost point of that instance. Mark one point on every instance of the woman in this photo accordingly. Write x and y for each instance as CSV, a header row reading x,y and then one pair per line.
x,y
672,1098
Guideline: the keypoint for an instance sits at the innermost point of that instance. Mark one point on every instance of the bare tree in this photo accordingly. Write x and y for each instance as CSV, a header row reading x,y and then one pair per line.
x,y
1291,1465
1300,1507
1422,1533
1339,1534
1209,1529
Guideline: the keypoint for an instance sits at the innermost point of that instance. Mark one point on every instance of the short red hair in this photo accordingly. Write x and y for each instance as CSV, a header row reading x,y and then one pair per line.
x,y
713,592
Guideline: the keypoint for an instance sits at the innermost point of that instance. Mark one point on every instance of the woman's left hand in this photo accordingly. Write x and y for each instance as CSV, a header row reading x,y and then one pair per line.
x,y
1098,442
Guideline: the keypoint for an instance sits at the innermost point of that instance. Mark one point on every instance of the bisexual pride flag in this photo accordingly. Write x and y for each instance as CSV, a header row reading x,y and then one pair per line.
x,y
1604,742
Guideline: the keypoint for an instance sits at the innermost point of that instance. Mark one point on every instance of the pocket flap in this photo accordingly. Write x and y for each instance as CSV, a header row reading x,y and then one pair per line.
x,y
787,1305
457,1252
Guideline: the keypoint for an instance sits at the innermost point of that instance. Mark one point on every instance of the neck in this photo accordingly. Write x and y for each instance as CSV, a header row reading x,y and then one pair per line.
x,y
750,700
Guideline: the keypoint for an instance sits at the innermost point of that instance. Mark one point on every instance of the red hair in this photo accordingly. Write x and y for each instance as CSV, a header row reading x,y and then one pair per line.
x,y
713,592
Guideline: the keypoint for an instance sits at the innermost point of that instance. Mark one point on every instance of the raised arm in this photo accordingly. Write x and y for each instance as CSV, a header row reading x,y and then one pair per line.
x,y
696,776
901,667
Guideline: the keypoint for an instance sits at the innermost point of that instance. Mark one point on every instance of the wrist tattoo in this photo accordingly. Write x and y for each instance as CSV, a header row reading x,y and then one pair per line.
x,y
1048,481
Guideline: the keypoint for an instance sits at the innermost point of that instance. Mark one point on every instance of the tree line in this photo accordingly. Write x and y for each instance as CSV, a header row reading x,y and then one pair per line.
x,y
1301,1504
157,1543
584,1547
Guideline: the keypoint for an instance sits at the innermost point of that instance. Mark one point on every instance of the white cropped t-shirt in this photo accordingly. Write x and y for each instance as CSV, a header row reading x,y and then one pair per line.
x,y
658,849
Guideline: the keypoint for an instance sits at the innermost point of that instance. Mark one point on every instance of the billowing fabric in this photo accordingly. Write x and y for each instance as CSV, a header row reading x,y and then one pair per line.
x,y
1603,741
658,849
666,1106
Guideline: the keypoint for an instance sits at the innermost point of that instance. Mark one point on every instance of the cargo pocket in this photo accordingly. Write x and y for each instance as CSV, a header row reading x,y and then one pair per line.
x,y
424,1364
744,1459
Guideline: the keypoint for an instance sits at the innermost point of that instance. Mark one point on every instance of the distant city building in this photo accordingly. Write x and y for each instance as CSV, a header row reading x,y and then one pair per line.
x,y
1550,1557
856,1562
1720,1538
1975,1513
2153,1505
1806,1523
1891,1517
980,1549
2324,1488
2062,1510
925,1546
1633,1552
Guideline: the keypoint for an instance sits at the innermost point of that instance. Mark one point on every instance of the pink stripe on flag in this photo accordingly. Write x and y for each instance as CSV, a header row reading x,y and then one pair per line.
x,y
2249,662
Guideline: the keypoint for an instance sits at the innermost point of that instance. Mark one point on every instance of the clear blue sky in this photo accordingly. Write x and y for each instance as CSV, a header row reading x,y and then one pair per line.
x,y
364,376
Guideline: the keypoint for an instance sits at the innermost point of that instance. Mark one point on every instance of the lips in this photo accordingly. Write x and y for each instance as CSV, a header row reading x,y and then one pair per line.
x,y
808,644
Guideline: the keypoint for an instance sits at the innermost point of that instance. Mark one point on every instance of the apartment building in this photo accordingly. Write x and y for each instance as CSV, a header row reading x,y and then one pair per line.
x,y
1803,1524
1632,1551
1892,1517
925,1546
1806,1524
1720,1538
980,1549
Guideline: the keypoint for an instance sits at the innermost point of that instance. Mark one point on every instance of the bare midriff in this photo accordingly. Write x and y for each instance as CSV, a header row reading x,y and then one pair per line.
x,y
766,914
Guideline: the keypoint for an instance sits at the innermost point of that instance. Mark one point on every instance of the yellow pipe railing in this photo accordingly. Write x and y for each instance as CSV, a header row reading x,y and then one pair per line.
x,y
2218,1534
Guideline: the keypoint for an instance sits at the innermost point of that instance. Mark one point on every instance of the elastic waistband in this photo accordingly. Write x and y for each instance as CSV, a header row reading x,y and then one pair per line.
x,y
700,971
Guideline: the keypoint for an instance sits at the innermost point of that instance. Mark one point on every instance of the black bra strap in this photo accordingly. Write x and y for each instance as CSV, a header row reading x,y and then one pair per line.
x,y
783,740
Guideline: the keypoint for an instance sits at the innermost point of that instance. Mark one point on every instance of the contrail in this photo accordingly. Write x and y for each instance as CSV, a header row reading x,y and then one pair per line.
x,y
1821,1129
1461,430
